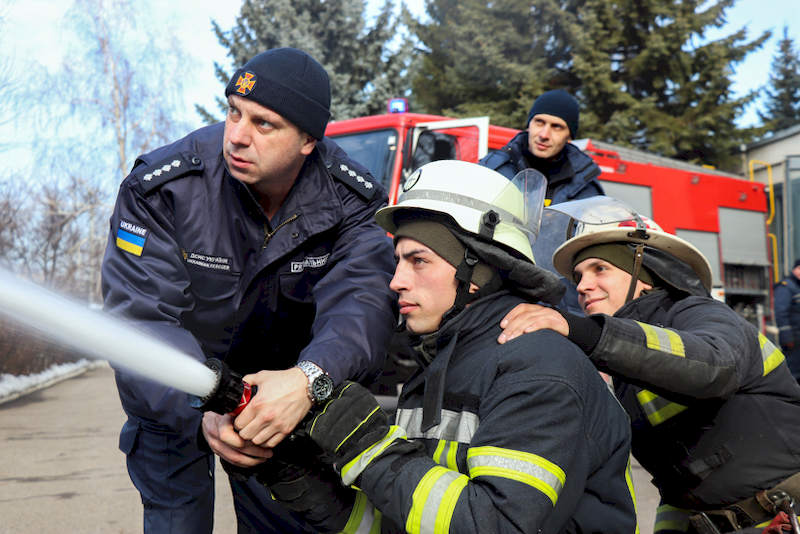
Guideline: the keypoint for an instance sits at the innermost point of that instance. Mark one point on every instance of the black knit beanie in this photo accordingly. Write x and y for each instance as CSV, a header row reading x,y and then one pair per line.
x,y
441,240
289,82
618,254
558,103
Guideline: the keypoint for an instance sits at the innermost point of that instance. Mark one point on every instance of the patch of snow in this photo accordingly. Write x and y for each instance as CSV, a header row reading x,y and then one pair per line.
x,y
14,386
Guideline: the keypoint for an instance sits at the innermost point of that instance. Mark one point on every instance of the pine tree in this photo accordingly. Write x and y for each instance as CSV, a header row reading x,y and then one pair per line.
x,y
649,78
489,58
782,106
365,63
643,70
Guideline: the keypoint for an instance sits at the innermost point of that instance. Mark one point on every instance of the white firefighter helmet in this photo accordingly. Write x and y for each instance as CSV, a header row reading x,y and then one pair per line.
x,y
603,219
468,193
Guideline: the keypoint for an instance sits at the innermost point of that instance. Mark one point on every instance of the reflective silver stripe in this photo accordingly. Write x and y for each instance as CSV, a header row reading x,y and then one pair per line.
x,y
658,409
662,339
461,200
771,356
356,466
524,467
669,518
362,517
455,426
434,500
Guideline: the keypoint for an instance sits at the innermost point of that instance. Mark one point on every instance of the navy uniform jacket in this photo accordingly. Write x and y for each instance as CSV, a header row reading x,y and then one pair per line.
x,y
714,410
787,317
519,437
570,176
193,259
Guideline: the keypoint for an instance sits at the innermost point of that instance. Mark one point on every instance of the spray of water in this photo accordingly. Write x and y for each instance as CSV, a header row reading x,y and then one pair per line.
x,y
101,336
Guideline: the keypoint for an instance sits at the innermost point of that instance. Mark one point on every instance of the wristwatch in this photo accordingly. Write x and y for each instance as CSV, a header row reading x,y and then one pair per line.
x,y
320,384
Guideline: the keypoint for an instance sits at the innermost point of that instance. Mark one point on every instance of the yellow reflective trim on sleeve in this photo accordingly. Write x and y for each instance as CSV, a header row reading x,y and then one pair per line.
x,y
770,354
356,466
672,519
629,482
451,456
524,467
434,500
658,409
361,520
437,454
663,339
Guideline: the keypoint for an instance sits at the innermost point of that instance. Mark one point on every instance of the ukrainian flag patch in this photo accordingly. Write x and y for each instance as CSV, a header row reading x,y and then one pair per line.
x,y
131,237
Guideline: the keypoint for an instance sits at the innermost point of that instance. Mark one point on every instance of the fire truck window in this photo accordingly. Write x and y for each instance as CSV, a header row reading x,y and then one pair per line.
x,y
374,150
433,146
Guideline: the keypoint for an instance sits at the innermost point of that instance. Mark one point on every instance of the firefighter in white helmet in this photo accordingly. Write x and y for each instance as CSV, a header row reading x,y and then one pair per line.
x,y
714,410
486,437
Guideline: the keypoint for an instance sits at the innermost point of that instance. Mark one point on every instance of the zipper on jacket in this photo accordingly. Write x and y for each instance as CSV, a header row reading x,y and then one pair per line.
x,y
268,235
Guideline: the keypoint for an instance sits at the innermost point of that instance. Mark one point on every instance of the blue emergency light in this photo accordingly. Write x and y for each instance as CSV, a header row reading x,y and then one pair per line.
x,y
397,105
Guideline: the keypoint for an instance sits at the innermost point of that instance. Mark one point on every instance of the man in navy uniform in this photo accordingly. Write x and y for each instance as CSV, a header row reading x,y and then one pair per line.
x,y
254,242
787,316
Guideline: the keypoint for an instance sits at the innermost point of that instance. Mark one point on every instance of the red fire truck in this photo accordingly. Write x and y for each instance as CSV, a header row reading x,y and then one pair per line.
x,y
721,214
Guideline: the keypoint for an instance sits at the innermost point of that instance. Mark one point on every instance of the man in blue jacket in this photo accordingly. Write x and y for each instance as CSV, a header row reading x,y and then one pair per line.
x,y
544,146
787,316
251,241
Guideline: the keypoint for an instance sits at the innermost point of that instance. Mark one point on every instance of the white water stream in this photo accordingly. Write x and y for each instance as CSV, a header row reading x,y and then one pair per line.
x,y
101,336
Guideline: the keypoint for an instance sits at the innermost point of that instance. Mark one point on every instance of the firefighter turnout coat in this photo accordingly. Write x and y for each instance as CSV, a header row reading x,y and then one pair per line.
x,y
193,259
787,317
714,409
520,437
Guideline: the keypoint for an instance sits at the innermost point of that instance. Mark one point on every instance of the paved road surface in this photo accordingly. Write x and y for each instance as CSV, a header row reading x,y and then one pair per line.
x,y
61,471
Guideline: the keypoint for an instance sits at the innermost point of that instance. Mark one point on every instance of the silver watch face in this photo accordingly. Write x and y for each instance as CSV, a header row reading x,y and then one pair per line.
x,y
322,388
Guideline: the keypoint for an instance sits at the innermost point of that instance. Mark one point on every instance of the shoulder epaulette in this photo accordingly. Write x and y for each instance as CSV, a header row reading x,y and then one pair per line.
x,y
360,182
175,166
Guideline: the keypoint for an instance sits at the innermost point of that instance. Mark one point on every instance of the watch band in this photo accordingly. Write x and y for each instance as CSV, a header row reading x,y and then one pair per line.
x,y
320,384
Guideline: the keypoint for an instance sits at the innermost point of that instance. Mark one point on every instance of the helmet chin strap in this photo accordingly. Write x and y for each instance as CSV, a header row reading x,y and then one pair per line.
x,y
464,271
638,255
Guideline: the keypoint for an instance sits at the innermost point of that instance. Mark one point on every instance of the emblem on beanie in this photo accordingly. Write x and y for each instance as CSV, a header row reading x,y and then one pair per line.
x,y
245,83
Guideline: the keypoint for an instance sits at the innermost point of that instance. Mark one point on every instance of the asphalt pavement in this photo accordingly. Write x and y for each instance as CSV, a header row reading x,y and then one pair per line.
x,y
61,470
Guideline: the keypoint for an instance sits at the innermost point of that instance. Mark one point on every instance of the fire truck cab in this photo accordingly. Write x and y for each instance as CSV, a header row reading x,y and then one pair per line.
x,y
722,214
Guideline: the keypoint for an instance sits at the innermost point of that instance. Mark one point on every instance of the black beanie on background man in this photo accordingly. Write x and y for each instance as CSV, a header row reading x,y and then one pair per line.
x,y
558,103
289,82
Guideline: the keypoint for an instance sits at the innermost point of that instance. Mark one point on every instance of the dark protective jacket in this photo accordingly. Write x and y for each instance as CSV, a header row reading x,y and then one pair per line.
x,y
193,259
787,317
714,410
570,175
520,437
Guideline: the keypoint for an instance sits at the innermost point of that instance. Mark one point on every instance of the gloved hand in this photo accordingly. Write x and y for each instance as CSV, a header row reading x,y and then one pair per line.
x,y
351,429
301,483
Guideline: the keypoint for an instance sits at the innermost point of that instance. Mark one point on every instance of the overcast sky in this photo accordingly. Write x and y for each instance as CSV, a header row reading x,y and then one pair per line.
x,y
34,32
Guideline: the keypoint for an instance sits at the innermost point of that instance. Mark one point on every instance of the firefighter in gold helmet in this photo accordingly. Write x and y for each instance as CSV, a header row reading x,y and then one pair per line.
x,y
714,410
486,437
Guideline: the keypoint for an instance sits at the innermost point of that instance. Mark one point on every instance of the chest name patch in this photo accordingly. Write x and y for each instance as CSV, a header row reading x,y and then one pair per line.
x,y
310,262
216,263
131,237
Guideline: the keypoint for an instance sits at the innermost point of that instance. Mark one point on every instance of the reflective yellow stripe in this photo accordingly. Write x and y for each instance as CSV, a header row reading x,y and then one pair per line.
x,y
670,518
663,340
629,482
356,466
658,409
451,456
434,501
364,518
437,454
770,354
524,467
